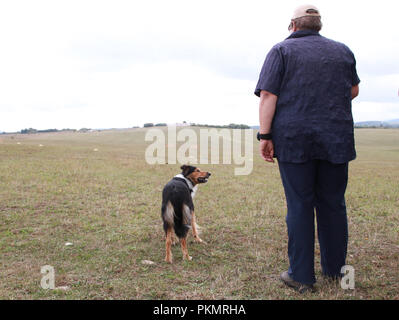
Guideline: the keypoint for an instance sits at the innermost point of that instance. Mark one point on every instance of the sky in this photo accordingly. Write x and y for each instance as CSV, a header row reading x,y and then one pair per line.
x,y
119,64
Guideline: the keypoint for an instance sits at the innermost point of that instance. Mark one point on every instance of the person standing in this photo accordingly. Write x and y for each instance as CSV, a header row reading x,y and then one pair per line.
x,y
306,86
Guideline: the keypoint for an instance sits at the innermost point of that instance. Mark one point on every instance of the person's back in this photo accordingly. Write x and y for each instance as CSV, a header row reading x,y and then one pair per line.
x,y
314,104
316,66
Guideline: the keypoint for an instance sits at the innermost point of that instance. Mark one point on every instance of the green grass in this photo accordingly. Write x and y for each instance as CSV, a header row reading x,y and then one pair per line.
x,y
107,203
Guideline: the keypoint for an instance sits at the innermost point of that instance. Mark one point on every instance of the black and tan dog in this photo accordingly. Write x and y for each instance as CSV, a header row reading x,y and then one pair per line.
x,y
178,208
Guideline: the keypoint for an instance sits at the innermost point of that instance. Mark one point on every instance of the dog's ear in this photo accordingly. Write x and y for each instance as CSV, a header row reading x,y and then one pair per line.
x,y
184,169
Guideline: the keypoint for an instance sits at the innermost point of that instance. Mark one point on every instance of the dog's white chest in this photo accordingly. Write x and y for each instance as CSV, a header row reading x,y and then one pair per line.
x,y
194,192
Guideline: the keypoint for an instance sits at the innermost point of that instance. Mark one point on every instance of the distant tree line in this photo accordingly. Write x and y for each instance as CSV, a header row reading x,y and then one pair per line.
x,y
150,124
378,124
32,130
229,126
146,125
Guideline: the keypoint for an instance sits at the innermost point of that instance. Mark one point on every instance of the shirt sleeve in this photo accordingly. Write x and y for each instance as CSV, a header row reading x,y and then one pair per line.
x,y
272,72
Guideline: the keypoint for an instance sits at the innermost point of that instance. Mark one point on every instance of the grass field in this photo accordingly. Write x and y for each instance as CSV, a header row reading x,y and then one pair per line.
x,y
55,188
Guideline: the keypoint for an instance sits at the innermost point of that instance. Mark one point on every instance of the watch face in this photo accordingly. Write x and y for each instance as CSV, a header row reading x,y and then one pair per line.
x,y
258,136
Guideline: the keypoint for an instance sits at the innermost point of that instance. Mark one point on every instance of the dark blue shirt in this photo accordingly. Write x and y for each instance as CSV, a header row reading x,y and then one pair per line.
x,y
312,77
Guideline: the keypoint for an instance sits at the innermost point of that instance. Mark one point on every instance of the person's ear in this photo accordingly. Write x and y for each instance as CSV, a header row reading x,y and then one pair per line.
x,y
294,28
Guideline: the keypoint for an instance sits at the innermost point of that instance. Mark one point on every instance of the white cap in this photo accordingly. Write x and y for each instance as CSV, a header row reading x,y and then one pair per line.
x,y
306,10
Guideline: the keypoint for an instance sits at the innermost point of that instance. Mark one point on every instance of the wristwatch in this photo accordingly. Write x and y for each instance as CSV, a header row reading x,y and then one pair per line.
x,y
264,136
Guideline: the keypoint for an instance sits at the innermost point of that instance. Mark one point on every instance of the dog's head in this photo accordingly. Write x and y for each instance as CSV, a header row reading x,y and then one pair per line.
x,y
194,174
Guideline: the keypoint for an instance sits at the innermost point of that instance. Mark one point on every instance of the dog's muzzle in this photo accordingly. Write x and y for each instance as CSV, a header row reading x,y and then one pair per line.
x,y
204,179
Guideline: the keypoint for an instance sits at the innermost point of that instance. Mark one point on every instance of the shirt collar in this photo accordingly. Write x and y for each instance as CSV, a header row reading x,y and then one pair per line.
x,y
303,33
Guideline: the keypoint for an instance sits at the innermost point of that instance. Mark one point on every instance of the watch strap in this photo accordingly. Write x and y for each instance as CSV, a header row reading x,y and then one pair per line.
x,y
264,136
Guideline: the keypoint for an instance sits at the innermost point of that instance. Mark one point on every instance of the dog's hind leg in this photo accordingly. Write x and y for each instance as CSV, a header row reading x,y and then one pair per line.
x,y
168,257
183,243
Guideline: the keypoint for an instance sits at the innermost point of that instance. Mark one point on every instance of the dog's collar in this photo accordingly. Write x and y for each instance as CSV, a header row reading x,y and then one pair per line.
x,y
189,183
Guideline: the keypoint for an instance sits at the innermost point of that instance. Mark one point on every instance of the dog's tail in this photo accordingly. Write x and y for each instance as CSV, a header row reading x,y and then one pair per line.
x,y
176,215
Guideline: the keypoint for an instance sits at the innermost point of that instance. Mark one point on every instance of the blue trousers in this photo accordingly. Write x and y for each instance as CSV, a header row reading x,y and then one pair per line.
x,y
318,186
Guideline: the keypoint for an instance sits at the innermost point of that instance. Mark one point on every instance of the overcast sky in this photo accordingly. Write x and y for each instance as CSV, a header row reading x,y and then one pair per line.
x,y
102,64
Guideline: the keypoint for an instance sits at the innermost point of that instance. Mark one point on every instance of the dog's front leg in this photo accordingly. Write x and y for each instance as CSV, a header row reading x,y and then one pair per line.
x,y
194,227
174,240
183,243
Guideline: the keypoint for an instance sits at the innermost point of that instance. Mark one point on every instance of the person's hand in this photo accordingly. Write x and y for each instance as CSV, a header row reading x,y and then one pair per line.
x,y
266,149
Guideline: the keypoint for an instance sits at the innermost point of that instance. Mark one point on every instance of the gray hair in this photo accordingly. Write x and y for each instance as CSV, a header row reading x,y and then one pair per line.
x,y
309,23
